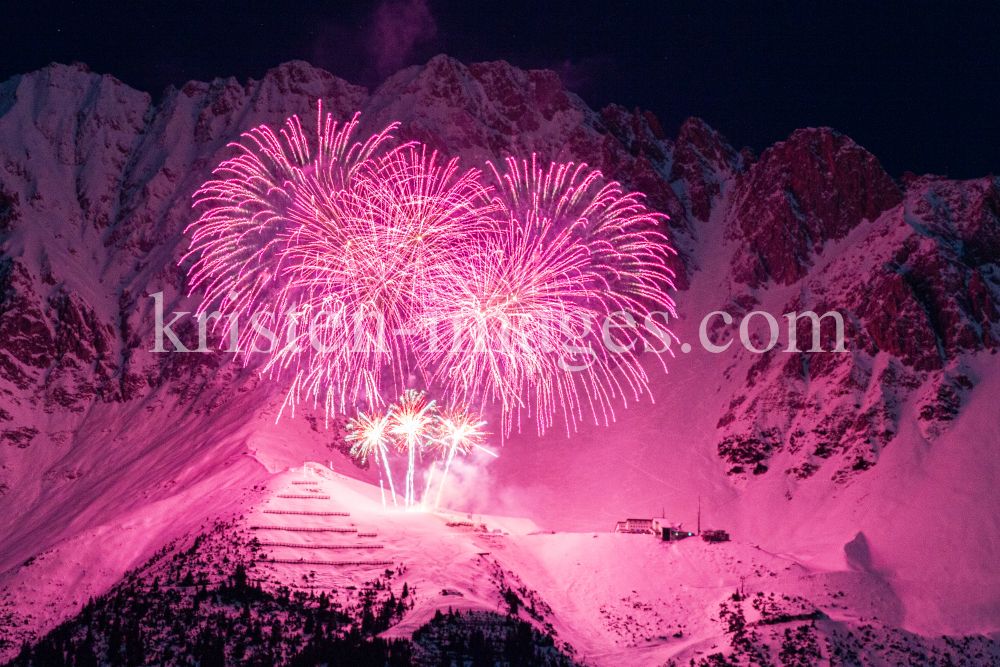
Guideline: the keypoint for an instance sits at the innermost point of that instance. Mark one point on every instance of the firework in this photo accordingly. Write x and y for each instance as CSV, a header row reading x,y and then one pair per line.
x,y
565,254
369,252
427,486
370,435
366,263
412,418
457,431
253,207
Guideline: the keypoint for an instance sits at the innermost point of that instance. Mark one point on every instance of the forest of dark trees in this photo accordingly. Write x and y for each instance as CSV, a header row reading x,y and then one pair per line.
x,y
206,607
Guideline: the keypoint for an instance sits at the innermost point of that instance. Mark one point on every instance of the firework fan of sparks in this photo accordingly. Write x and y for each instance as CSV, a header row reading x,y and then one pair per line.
x,y
567,253
369,434
239,242
412,420
370,437
367,264
458,430
362,245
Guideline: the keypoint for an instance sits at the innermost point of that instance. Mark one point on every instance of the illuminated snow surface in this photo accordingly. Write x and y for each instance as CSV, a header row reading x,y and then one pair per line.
x,y
616,599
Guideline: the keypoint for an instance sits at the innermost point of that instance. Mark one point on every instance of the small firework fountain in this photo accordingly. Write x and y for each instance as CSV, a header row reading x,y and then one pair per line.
x,y
369,434
412,418
413,424
349,240
459,431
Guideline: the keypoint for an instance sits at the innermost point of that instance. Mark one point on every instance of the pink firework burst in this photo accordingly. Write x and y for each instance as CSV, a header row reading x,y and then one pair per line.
x,y
253,207
367,263
371,252
567,252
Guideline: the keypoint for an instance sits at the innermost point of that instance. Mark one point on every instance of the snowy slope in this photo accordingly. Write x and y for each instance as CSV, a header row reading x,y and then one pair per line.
x,y
605,598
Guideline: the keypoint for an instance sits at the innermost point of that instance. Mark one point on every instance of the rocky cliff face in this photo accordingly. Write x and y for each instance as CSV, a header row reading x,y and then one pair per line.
x,y
915,286
803,193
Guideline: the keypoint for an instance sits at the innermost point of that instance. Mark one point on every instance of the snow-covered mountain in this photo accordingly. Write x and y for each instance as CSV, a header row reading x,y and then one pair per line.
x,y
109,451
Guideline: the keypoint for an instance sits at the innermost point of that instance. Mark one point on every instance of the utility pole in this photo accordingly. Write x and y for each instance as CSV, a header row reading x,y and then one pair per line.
x,y
699,515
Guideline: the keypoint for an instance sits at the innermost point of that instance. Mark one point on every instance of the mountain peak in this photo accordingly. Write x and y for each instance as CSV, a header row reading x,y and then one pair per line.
x,y
703,160
812,188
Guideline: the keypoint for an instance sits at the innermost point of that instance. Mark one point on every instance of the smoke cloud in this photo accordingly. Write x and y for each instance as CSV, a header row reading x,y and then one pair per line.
x,y
394,35
399,26
469,487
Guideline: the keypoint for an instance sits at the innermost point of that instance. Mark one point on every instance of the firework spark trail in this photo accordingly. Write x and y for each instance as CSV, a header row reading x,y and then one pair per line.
x,y
370,435
370,261
239,241
427,486
566,252
412,418
458,431
360,247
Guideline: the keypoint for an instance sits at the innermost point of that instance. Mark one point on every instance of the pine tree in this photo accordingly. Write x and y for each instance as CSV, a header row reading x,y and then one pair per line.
x,y
240,579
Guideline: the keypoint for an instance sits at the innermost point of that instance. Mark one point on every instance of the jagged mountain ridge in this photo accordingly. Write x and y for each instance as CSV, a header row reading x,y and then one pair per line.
x,y
95,193
134,170
131,197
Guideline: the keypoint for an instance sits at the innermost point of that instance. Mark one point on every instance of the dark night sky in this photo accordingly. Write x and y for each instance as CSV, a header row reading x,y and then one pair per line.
x,y
916,83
